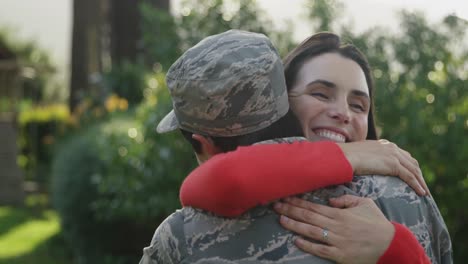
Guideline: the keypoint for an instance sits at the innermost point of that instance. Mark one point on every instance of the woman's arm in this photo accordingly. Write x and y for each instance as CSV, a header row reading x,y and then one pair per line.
x,y
404,248
355,231
231,183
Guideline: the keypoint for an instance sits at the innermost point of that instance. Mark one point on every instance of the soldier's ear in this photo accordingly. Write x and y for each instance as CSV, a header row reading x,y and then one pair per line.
x,y
208,147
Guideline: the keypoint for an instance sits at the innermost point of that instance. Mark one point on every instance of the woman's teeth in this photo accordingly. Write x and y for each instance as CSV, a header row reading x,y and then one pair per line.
x,y
331,135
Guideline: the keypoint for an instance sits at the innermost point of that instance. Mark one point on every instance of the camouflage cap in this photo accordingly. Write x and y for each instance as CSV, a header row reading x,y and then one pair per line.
x,y
229,84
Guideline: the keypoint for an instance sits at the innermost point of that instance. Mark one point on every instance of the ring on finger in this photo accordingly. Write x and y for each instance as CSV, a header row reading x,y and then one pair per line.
x,y
325,234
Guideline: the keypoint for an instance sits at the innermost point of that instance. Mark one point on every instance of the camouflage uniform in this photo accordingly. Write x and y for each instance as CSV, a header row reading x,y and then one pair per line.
x,y
227,85
233,84
194,236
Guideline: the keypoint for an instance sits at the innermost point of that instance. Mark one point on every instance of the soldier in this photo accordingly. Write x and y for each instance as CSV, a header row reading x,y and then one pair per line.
x,y
229,88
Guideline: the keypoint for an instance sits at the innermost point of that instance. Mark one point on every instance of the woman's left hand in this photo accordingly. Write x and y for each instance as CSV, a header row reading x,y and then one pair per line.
x,y
358,233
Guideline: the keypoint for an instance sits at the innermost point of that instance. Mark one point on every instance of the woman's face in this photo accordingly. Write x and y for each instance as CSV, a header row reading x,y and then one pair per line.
x,y
331,99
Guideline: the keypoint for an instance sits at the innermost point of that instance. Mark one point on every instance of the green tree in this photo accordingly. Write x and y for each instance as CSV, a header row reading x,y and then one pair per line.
x,y
421,100
203,18
424,108
422,105
324,13
38,68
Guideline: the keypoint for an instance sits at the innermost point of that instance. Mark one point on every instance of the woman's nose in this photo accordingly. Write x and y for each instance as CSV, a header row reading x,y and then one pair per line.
x,y
340,112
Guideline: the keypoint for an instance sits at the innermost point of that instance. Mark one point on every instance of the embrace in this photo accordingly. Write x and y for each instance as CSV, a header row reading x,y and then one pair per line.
x,y
291,167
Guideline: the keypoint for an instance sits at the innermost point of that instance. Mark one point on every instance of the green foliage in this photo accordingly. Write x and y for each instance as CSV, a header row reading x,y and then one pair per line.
x,y
127,80
27,86
27,51
203,18
208,17
38,127
160,38
77,166
323,13
37,69
147,168
73,192
165,37
422,105
120,174
42,113
429,95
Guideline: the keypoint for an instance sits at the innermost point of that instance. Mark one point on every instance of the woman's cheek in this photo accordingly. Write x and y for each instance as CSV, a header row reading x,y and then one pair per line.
x,y
297,106
361,127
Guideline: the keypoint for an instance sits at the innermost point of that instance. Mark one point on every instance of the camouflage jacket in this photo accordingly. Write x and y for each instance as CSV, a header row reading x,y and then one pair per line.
x,y
194,236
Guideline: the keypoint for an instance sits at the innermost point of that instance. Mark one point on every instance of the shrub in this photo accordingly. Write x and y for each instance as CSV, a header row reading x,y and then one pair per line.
x,y
72,170
148,167
78,163
115,182
127,80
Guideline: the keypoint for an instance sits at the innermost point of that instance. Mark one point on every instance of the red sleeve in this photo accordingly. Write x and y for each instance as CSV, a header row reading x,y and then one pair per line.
x,y
231,183
404,248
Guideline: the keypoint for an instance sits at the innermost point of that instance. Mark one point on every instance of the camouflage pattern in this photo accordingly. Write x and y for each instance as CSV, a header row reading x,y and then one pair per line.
x,y
227,85
194,236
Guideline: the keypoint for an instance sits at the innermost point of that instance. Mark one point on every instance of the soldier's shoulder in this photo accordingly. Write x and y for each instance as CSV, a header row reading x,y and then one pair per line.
x,y
169,229
168,242
176,224
378,186
288,140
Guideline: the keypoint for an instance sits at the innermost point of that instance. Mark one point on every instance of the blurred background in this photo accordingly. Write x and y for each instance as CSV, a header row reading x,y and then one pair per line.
x,y
84,178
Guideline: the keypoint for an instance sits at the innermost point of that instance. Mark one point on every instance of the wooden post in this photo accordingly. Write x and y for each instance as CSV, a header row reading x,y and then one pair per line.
x,y
11,180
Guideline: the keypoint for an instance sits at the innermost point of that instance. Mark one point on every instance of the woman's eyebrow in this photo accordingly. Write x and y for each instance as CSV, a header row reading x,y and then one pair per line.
x,y
333,85
360,94
324,82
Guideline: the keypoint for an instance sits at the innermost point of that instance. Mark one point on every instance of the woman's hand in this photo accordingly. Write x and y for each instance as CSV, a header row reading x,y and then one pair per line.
x,y
385,158
359,233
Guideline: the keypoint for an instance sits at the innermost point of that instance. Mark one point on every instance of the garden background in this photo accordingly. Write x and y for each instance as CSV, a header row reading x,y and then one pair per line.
x,y
84,178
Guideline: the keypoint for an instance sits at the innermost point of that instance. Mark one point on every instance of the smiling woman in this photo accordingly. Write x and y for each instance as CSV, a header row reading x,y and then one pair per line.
x,y
329,105
330,89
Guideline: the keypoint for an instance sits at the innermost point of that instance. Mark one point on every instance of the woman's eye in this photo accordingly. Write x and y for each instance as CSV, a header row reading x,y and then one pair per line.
x,y
320,95
358,107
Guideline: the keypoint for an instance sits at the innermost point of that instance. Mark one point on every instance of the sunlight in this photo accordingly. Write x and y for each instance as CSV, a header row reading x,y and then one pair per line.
x,y
24,238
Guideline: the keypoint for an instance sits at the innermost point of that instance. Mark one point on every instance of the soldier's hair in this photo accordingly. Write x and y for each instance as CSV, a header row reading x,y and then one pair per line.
x,y
286,126
326,42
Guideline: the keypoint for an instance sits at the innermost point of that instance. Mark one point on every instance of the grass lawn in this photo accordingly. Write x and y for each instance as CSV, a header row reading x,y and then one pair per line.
x,y
29,235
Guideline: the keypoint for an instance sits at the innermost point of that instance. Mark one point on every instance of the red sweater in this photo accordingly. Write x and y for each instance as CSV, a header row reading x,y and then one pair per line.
x,y
229,184
404,248
316,165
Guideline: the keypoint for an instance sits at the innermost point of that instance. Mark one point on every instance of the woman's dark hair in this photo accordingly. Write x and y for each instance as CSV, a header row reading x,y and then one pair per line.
x,y
326,42
286,126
